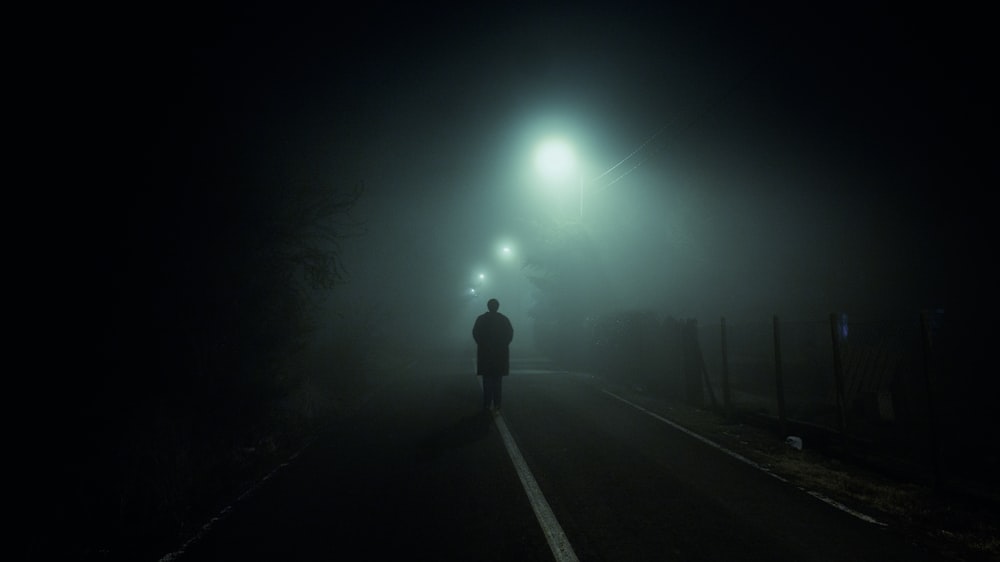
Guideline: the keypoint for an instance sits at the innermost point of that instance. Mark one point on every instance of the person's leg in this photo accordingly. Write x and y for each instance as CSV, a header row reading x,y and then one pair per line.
x,y
486,391
497,392
491,386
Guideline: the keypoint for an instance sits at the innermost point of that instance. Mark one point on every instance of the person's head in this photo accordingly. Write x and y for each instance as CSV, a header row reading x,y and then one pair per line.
x,y
492,305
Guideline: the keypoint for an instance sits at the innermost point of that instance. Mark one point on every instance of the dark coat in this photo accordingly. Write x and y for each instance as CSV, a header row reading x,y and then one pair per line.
x,y
493,334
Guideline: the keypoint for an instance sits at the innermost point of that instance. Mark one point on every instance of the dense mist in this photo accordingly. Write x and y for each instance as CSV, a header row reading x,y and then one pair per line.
x,y
725,170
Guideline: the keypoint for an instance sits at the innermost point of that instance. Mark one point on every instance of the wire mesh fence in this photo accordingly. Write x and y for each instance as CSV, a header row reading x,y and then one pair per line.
x,y
866,386
862,385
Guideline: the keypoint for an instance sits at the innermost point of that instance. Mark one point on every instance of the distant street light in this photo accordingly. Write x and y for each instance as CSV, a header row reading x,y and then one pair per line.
x,y
478,283
505,251
556,161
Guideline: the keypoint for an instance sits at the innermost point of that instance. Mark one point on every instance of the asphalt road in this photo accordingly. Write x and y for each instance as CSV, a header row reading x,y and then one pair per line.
x,y
569,470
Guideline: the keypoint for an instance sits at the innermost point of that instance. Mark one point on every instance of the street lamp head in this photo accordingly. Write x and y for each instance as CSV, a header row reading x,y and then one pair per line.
x,y
554,159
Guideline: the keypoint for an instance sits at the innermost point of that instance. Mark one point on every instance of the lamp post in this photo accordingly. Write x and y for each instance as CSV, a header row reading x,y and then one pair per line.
x,y
581,196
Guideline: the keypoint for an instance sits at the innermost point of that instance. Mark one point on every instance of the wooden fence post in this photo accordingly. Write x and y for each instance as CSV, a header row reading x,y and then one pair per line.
x,y
726,404
779,382
838,381
693,390
925,326
703,369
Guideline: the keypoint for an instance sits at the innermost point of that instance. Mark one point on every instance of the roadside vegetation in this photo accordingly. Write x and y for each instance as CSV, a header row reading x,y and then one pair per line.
x,y
202,367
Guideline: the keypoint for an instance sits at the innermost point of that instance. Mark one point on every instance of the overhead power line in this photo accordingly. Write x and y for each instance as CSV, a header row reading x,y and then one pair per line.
x,y
706,110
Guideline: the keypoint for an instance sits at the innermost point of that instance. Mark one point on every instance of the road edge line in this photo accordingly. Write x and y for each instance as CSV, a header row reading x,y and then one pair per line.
x,y
741,458
554,535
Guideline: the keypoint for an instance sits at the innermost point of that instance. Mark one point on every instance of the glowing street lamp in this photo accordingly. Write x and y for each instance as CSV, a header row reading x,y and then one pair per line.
x,y
555,160
505,251
477,285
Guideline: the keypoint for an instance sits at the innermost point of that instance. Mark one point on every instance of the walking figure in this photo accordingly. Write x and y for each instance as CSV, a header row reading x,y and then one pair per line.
x,y
493,334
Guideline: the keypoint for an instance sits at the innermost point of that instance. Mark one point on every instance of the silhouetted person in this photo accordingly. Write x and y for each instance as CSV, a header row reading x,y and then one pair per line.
x,y
493,334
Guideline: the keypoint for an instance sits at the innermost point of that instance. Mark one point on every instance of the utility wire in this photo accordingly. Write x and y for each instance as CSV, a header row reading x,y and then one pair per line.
x,y
698,117
633,153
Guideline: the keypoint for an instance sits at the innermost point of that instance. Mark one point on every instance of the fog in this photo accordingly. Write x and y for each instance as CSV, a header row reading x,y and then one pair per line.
x,y
269,178
731,165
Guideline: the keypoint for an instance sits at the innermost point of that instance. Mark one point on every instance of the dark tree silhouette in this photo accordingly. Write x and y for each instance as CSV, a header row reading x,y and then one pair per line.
x,y
204,297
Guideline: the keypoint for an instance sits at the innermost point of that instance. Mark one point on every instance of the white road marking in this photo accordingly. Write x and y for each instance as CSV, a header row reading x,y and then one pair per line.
x,y
741,458
204,530
557,540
